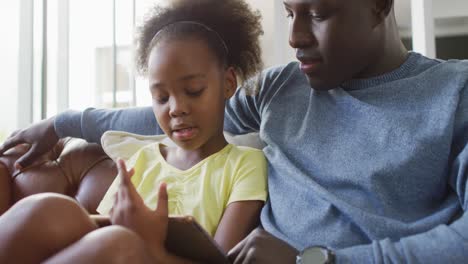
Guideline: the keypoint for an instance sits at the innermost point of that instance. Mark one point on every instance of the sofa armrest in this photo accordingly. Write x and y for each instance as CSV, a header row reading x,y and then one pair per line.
x,y
74,168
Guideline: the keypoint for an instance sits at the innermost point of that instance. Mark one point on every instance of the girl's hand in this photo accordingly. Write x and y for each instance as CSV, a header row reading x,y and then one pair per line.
x,y
130,211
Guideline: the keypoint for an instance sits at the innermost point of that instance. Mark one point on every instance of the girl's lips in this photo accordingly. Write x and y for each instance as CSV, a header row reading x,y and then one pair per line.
x,y
185,133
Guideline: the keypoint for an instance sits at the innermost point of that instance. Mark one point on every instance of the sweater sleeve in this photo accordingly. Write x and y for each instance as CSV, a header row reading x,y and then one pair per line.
x,y
244,111
91,123
242,115
442,244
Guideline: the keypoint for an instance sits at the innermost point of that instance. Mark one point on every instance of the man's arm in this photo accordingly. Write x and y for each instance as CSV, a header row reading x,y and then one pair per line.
x,y
242,115
92,123
445,243
89,124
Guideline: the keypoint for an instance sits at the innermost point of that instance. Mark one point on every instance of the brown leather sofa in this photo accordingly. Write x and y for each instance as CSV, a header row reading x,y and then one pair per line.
x,y
74,168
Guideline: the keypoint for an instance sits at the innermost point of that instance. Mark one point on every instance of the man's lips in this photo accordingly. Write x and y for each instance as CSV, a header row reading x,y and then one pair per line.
x,y
309,65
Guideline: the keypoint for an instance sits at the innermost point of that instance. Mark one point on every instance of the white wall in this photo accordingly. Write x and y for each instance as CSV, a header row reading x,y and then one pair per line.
x,y
451,17
276,49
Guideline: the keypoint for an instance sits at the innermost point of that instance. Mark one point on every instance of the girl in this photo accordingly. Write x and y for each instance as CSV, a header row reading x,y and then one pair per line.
x,y
193,52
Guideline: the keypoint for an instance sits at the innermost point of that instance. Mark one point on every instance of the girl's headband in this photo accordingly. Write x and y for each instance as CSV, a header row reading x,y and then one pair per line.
x,y
197,24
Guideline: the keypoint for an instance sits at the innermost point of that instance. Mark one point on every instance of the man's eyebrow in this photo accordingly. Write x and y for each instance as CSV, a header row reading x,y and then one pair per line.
x,y
288,5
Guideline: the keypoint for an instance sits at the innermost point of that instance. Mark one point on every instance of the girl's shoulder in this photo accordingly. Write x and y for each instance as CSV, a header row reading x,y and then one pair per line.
x,y
124,145
242,157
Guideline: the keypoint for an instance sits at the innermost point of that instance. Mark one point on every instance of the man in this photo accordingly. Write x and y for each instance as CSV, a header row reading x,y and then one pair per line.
x,y
368,166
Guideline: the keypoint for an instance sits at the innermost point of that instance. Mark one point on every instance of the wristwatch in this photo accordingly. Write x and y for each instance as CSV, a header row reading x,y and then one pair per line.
x,y
316,255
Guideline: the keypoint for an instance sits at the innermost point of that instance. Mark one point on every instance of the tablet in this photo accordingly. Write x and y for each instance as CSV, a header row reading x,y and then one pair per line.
x,y
185,238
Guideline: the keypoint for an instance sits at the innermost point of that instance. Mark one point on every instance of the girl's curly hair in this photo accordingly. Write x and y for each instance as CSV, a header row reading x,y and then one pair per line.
x,y
233,22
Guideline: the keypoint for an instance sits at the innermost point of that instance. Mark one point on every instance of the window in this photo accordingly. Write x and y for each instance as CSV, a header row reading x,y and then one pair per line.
x,y
9,27
78,54
61,54
101,54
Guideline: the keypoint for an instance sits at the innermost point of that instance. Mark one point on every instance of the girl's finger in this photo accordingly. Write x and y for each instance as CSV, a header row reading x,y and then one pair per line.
x,y
124,179
127,190
111,212
130,173
115,198
125,176
122,193
162,207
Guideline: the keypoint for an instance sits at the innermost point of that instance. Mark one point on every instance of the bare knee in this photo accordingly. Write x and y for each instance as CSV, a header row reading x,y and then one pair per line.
x,y
43,224
57,217
120,245
113,244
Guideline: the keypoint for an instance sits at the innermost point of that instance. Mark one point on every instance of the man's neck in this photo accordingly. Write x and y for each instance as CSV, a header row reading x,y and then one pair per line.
x,y
392,54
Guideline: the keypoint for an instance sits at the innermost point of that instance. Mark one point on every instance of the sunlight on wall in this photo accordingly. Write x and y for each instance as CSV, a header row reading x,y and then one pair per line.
x,y
275,46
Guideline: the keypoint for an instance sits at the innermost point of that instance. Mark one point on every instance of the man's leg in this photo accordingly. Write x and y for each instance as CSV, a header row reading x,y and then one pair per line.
x,y
113,244
39,226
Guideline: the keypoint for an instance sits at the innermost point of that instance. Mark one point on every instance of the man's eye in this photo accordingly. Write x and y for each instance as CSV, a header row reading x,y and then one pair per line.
x,y
319,16
289,13
316,16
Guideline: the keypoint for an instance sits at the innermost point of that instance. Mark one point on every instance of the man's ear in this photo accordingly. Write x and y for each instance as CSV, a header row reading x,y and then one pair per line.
x,y
382,9
230,82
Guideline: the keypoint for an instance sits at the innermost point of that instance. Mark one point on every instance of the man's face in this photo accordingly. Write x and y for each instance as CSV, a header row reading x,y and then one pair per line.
x,y
335,40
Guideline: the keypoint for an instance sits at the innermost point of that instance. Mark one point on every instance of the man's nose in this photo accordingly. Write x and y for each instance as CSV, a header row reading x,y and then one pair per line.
x,y
301,34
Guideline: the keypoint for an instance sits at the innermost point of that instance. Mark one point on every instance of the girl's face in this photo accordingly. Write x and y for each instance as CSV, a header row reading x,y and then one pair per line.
x,y
189,88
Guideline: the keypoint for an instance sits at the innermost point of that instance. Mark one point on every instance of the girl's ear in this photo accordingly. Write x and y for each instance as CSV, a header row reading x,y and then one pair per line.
x,y
230,82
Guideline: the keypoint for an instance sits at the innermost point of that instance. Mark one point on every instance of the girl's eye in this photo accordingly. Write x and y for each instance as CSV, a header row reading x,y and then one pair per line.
x,y
195,93
161,99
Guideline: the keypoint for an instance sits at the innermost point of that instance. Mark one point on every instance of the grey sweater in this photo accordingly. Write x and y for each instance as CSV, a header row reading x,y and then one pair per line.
x,y
375,169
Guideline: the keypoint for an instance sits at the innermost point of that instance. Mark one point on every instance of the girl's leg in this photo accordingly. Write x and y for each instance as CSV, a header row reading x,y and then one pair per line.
x,y
39,226
5,189
113,244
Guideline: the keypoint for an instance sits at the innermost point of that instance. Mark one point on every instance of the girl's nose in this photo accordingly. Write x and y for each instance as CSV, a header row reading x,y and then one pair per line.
x,y
178,107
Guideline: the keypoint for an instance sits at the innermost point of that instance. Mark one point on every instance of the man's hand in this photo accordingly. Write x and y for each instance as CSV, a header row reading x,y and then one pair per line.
x,y
261,247
129,210
40,136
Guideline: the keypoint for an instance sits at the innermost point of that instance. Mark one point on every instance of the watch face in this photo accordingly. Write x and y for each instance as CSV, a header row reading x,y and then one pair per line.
x,y
315,255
